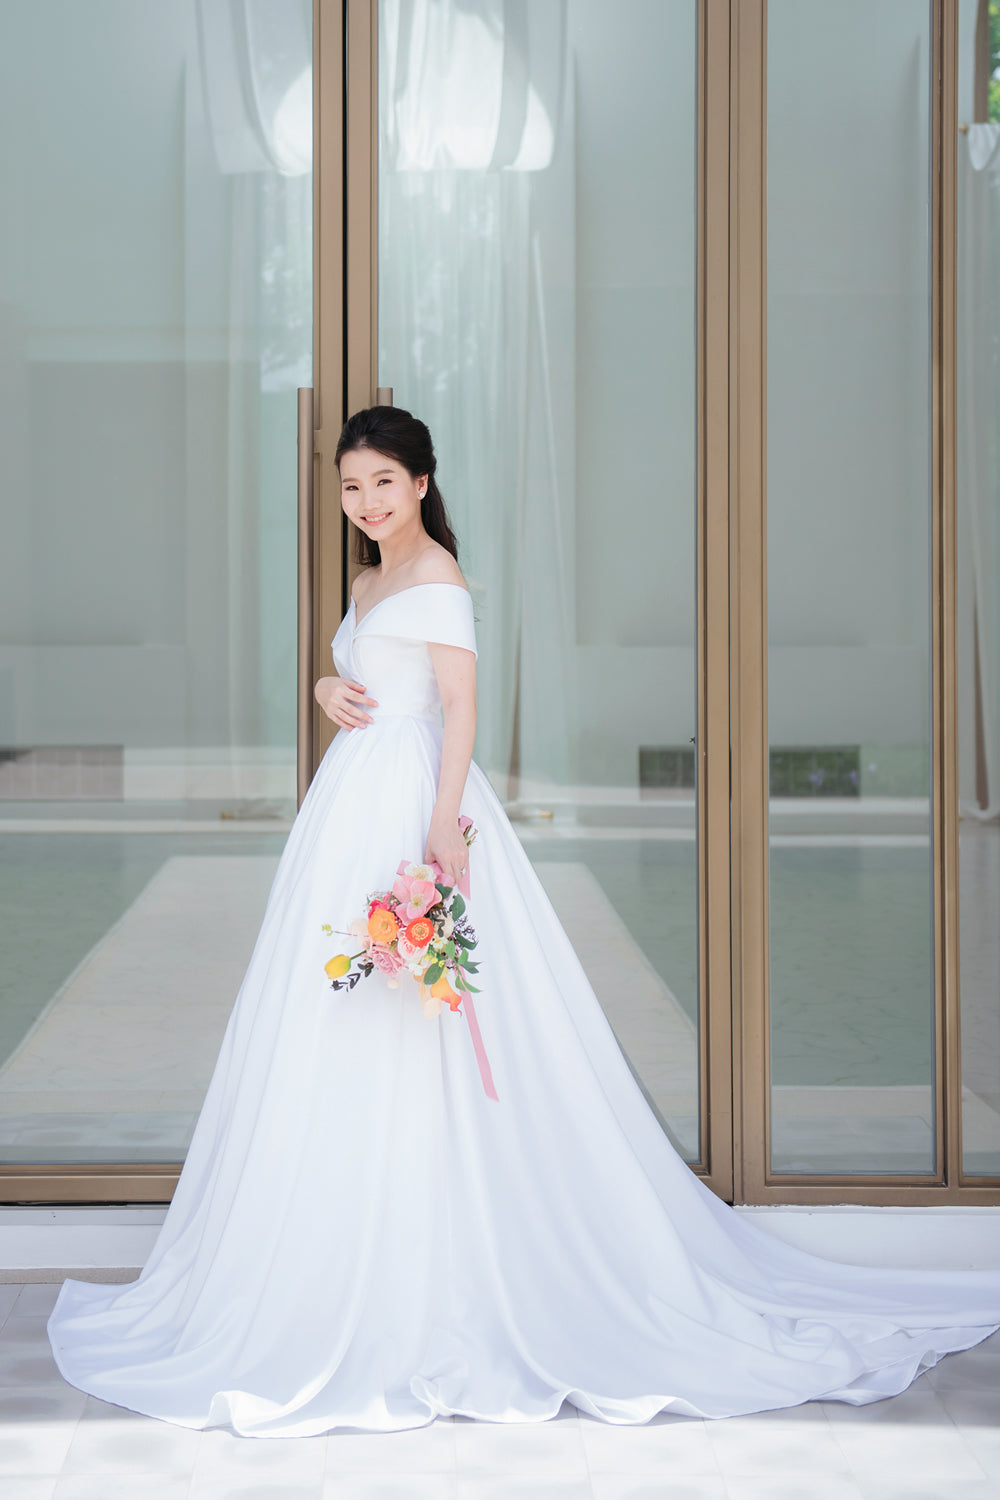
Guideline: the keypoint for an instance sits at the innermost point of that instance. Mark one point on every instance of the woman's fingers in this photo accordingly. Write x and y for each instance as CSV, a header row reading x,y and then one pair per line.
x,y
348,711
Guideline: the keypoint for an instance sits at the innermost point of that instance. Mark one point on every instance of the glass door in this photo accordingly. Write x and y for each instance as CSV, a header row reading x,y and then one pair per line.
x,y
156,296
849,539
538,279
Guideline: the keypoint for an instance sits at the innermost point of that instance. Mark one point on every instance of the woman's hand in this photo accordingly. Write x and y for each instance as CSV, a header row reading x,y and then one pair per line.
x,y
339,700
446,844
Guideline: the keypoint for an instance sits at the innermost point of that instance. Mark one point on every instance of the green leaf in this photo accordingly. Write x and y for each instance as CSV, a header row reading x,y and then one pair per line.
x,y
433,973
458,906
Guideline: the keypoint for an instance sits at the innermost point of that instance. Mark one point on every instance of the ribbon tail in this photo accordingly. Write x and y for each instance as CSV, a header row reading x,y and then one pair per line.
x,y
480,1051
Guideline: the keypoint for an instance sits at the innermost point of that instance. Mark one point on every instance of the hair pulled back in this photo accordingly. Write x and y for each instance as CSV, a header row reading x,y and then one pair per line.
x,y
403,437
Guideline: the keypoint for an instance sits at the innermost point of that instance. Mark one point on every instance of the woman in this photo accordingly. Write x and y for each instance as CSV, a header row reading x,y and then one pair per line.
x,y
370,1229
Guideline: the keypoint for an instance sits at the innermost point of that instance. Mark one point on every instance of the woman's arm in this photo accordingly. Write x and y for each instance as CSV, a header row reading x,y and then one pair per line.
x,y
455,670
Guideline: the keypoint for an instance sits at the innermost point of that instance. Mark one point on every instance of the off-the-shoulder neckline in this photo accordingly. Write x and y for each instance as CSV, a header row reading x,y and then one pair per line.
x,y
409,588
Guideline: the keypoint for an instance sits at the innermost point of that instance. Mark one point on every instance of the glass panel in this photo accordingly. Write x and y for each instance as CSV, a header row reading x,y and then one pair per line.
x,y
155,294
848,567
537,309
979,601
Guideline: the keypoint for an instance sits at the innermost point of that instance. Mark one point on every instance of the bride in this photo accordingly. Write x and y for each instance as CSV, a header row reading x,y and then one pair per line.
x,y
362,1234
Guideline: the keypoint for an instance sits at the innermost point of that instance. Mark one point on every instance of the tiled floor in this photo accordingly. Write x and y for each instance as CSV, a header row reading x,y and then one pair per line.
x,y
940,1440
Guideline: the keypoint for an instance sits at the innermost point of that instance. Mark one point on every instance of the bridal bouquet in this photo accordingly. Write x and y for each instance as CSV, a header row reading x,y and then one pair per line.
x,y
419,928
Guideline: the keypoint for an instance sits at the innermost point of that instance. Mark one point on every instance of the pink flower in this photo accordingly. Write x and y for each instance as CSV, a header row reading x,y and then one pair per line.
x,y
415,894
405,948
385,960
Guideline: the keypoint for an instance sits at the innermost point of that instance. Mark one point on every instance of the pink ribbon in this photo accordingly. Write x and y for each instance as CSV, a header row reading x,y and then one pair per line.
x,y
480,1050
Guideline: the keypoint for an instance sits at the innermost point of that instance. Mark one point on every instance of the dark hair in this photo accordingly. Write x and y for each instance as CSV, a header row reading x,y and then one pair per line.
x,y
399,435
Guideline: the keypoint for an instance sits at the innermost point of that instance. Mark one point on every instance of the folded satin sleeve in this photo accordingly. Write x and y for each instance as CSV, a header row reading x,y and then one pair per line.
x,y
438,613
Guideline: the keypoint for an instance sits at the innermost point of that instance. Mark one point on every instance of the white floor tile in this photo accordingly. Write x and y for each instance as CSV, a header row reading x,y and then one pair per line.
x,y
908,1437
551,1450
808,1484
976,1415
110,1440
25,1353
8,1296
223,1456
218,1488
971,1370
37,1299
928,1489
664,1445
29,1486
121,1487
484,1487
670,1486
415,1450
390,1487
36,1429
797,1440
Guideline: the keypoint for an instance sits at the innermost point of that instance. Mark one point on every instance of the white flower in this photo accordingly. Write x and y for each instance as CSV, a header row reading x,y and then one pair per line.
x,y
420,872
449,926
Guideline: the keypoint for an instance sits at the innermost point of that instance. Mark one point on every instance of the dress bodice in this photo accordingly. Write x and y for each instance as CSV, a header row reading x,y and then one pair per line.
x,y
388,649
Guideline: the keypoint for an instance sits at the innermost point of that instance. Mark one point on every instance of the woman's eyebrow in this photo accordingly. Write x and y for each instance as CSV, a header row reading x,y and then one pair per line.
x,y
347,477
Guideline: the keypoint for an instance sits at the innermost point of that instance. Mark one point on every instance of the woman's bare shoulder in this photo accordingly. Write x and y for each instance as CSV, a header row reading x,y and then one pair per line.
x,y
436,565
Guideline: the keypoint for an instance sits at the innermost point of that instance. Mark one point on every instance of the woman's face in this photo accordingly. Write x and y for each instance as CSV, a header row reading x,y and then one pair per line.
x,y
378,494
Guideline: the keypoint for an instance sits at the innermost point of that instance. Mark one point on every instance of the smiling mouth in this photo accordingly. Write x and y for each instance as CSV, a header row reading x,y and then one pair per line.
x,y
376,520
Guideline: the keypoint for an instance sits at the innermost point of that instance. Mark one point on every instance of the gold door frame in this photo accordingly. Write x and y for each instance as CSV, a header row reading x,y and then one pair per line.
x,y
755,1183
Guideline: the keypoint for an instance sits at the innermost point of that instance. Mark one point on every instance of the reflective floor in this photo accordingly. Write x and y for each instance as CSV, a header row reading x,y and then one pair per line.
x,y
124,949
940,1440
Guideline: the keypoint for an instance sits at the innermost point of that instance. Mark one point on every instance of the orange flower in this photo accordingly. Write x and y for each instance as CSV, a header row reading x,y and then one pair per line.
x,y
420,931
382,926
442,990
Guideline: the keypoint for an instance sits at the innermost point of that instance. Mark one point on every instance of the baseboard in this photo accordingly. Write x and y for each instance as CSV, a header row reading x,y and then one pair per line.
x,y
952,1238
93,1243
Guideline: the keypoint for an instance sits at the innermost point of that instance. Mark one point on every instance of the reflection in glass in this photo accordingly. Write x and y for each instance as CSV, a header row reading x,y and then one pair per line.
x,y
155,295
537,310
848,567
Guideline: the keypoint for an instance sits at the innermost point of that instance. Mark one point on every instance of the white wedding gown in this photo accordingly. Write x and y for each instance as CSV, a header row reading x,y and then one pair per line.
x,y
361,1237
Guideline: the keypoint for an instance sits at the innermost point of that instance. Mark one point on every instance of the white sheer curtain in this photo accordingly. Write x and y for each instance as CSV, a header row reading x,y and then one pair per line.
x,y
470,105
979,472
256,92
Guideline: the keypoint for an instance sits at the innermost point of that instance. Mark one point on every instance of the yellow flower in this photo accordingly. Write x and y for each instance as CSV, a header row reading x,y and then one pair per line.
x,y
337,966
